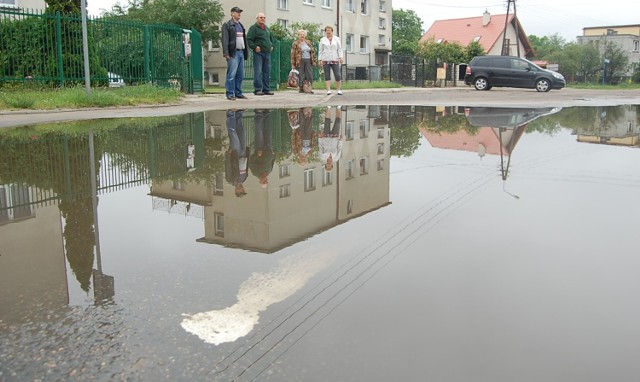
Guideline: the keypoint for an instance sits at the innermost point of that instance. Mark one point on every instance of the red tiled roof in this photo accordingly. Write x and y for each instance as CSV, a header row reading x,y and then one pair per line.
x,y
463,141
465,30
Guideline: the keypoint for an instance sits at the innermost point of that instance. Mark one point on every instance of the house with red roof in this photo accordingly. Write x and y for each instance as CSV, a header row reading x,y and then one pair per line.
x,y
488,30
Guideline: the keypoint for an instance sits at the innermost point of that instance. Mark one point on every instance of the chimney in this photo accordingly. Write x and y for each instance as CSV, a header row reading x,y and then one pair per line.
x,y
486,18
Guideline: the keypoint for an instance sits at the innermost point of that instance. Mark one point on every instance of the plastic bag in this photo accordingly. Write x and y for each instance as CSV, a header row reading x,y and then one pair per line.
x,y
293,78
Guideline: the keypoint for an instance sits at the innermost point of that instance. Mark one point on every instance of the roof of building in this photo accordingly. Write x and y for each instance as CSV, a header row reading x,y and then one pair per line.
x,y
469,29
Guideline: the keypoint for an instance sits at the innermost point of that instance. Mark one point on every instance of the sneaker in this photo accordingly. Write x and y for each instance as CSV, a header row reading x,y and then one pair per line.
x,y
339,92
231,98
258,93
328,92
268,93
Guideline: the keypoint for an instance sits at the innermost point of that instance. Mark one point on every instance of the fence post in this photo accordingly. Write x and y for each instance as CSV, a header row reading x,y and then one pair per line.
x,y
147,65
59,49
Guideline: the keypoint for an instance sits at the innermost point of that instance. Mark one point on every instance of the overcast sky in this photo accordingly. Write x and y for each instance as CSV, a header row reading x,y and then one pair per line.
x,y
538,17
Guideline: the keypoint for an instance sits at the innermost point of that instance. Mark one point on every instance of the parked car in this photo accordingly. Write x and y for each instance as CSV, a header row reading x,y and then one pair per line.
x,y
485,72
115,81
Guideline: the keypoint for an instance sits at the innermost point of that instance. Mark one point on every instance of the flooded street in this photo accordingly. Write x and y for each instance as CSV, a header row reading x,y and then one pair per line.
x,y
353,243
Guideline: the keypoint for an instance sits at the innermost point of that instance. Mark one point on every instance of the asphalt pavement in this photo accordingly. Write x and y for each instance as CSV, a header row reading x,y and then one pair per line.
x,y
448,96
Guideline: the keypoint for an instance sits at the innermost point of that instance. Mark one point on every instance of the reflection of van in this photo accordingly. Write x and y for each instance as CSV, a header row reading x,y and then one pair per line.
x,y
115,81
504,116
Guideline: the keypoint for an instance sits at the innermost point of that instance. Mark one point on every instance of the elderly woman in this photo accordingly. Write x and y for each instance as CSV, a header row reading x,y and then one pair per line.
x,y
303,58
331,56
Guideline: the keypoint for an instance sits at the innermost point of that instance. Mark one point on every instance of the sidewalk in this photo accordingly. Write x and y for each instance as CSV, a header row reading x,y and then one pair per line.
x,y
291,98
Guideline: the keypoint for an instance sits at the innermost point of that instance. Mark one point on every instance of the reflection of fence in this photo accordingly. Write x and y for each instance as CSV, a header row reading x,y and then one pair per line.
x,y
54,167
173,206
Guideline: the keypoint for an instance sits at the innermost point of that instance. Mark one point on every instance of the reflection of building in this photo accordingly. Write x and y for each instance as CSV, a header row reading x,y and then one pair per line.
x,y
32,263
615,125
303,199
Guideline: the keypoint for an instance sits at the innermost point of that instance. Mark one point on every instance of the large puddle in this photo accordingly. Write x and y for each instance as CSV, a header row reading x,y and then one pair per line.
x,y
368,243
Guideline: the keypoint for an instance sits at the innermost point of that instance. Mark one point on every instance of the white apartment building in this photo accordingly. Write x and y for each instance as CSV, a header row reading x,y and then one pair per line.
x,y
364,28
25,5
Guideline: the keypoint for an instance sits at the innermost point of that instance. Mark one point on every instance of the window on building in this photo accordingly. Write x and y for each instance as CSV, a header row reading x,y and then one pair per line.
x,y
364,7
382,6
380,164
364,44
15,202
213,46
218,184
380,148
307,1
283,23
309,179
350,206
327,178
382,23
351,169
350,6
218,223
348,42
285,191
283,4
285,170
7,2
364,128
326,3
382,39
364,165
380,133
636,45
348,130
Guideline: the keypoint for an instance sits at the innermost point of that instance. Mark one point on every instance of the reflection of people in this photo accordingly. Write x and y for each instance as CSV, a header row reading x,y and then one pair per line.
x,y
304,137
303,58
331,57
234,50
294,119
262,158
237,156
331,139
261,41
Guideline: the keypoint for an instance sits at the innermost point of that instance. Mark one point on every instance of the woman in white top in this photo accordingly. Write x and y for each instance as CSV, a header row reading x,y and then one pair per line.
x,y
331,57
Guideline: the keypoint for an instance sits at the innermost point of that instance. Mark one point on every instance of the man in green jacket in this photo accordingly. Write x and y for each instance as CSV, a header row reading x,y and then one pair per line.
x,y
261,42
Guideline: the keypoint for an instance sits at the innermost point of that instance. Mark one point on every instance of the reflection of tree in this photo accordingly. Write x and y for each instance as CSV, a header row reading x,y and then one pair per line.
x,y
404,140
571,118
79,238
450,123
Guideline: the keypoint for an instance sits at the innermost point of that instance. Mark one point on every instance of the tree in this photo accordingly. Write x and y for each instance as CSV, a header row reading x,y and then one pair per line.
x,y
204,16
547,45
577,62
406,32
474,49
616,66
451,52
314,31
63,6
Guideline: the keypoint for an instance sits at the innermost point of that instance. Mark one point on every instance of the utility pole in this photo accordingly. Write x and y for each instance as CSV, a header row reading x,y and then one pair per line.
x,y
505,49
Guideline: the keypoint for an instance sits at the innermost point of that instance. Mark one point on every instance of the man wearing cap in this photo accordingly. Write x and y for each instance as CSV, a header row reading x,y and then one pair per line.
x,y
261,42
234,50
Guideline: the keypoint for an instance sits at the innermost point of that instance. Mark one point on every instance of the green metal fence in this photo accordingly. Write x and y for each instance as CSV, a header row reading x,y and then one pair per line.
x,y
47,48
